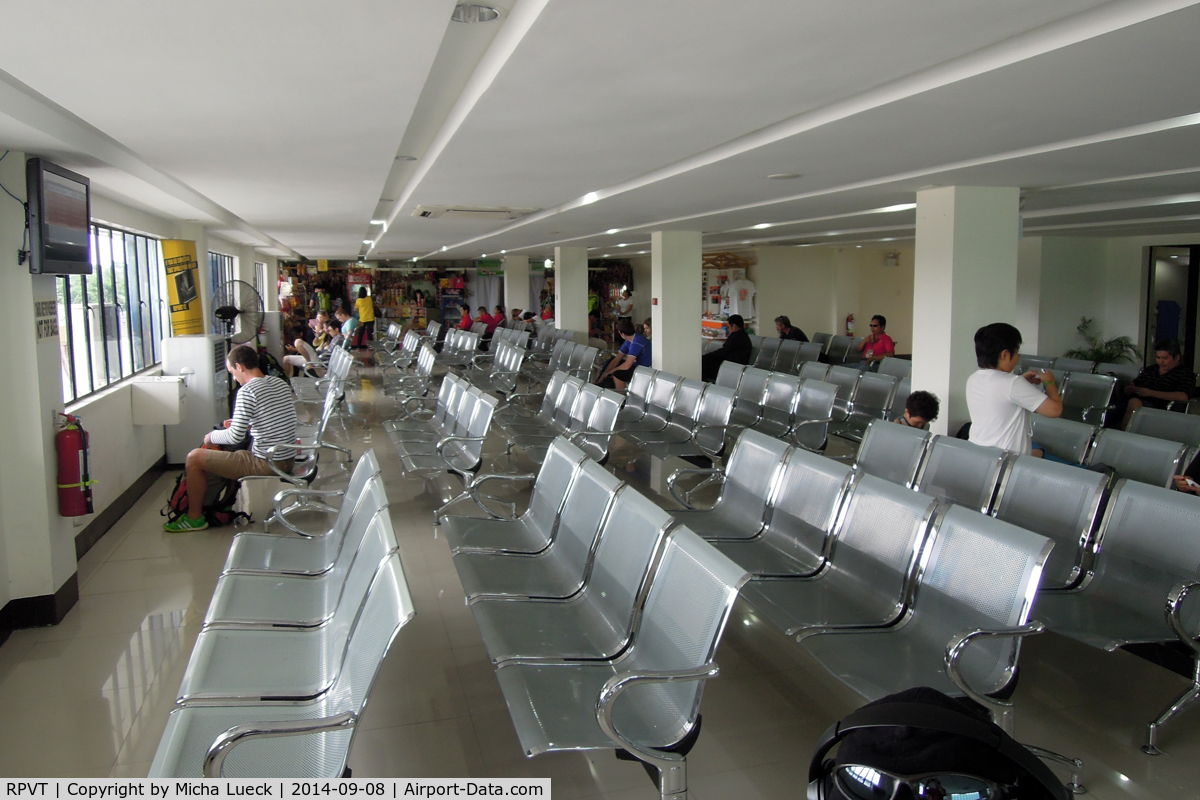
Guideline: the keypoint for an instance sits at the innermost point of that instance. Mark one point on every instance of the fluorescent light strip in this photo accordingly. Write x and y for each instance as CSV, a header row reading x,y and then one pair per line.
x,y
1048,38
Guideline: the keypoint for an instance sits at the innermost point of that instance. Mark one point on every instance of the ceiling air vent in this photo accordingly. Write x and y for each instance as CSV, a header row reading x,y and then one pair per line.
x,y
470,212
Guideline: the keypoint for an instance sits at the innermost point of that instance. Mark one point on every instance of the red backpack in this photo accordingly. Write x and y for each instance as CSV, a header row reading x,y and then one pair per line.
x,y
219,499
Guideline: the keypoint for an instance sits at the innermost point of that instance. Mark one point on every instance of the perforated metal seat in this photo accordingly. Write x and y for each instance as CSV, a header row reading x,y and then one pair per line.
x,y
202,741
867,576
846,380
839,348
730,374
1058,501
822,339
559,419
649,699
788,356
778,401
685,408
290,601
236,666
600,427
767,351
596,622
636,394
900,398
872,400
749,479
962,473
533,531
712,345
748,402
1087,398
814,371
800,521
1136,457
535,444
1063,438
508,413
1035,363
981,575
900,367
1145,566
812,414
1124,373
1169,425
307,553
809,351
659,402
892,452
558,570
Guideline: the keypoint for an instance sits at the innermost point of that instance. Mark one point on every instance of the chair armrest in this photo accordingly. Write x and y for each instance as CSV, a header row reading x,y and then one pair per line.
x,y
441,445
222,746
696,440
1175,600
617,684
479,481
958,645
674,476
1103,410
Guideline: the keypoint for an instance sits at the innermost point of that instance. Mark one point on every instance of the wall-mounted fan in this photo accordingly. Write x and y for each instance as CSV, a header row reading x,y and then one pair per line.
x,y
237,315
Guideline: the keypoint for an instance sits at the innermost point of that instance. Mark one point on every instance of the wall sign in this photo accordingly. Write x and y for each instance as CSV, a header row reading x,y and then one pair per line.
x,y
183,287
45,318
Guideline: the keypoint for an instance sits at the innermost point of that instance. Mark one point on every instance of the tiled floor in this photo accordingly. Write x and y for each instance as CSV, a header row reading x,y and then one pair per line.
x,y
90,697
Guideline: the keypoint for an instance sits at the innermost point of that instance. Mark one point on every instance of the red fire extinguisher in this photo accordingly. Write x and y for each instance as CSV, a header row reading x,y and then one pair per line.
x,y
74,477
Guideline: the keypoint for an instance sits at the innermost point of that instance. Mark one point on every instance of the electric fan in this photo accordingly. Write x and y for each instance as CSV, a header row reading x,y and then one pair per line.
x,y
237,315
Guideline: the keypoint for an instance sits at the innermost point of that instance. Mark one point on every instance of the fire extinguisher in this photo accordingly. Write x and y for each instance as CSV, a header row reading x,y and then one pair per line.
x,y
849,324
74,477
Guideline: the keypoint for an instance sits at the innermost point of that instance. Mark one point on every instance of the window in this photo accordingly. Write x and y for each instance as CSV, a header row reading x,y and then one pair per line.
x,y
111,322
260,280
220,271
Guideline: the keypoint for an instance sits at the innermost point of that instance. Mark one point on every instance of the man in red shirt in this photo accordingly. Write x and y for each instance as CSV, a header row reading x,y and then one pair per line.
x,y
878,345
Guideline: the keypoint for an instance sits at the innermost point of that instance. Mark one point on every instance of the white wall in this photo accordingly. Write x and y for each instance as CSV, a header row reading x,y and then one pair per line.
x,y
641,288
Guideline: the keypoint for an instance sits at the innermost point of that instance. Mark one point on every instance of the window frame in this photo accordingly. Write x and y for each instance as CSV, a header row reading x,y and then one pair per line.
x,y
104,358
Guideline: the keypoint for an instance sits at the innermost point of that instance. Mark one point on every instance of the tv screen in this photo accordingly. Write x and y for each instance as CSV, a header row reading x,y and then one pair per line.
x,y
60,215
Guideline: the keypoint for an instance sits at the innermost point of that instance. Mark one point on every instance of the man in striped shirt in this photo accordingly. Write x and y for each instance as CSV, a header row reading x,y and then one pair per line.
x,y
266,410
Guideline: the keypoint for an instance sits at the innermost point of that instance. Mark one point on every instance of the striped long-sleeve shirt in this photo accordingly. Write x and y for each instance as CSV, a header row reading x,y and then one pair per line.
x,y
266,409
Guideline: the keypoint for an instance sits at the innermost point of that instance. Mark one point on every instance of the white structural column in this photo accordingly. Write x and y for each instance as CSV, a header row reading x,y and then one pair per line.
x,y
675,267
516,283
965,278
570,288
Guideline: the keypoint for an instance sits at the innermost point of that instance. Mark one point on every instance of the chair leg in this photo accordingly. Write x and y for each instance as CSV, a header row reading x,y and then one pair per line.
x,y
672,779
1181,704
1074,786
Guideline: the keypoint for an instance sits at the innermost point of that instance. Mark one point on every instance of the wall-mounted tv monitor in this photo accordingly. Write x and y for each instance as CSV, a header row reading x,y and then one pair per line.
x,y
60,216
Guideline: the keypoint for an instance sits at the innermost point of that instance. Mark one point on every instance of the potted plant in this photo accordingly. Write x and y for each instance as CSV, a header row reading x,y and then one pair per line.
x,y
1102,351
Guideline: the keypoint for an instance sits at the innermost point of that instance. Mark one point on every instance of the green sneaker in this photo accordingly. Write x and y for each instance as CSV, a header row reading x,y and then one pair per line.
x,y
185,524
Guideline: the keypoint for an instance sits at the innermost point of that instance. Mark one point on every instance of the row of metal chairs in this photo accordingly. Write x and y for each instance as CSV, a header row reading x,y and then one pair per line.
x,y
565,355
291,645
413,379
1123,454
504,370
459,348
584,413
1123,372
602,620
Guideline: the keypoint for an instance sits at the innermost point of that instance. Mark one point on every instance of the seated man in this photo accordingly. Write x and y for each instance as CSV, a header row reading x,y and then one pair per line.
x,y
920,409
737,348
634,353
265,410
347,322
878,345
1000,402
786,331
1160,383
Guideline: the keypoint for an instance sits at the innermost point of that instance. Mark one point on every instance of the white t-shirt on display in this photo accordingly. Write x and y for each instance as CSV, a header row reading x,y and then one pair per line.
x,y
741,298
1000,404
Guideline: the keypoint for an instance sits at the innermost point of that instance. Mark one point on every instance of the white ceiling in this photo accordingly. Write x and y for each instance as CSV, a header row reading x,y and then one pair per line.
x,y
284,120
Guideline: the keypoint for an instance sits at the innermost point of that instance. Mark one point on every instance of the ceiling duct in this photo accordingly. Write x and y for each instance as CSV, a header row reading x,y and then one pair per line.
x,y
469,212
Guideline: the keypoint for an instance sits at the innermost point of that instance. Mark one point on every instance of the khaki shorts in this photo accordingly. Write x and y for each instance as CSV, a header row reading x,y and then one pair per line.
x,y
234,464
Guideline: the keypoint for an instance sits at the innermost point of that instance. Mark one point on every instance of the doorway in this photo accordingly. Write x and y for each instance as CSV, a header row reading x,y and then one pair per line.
x,y
1173,310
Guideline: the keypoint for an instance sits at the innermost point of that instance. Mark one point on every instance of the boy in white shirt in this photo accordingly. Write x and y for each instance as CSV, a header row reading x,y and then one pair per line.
x,y
999,401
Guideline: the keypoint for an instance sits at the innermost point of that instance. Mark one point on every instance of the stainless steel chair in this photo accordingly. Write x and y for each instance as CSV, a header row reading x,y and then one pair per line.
x,y
778,401
788,357
892,452
1137,458
1136,590
900,367
730,374
636,394
1170,425
1060,502
659,401
1036,363
1073,364
846,380
767,352
1087,398
1063,438
868,574
647,702
300,738
962,473
748,402
814,371
812,414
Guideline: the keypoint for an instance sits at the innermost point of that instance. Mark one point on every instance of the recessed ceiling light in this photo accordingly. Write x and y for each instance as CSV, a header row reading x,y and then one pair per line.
x,y
379,222
900,207
548,264
623,244
406,158
762,225
783,176
502,252
613,230
368,241
859,246
483,255
471,12
414,259
590,197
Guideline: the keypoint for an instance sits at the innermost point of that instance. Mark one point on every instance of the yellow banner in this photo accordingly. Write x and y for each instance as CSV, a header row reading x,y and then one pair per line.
x,y
322,265
183,287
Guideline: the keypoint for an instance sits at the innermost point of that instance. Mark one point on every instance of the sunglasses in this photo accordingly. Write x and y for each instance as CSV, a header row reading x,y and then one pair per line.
x,y
857,782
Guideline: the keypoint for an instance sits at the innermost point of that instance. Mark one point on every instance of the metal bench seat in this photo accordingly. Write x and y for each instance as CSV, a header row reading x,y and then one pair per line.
x,y
1036,363
449,395
533,531
1087,398
766,353
892,452
559,569
636,393
748,402
867,577
1135,591
502,374
1170,425
747,484
963,473
1060,502
1074,365
596,622
292,601
647,700
306,553
900,367
812,413
872,400
846,380
800,521
839,349
685,409
963,634
779,399
459,454
703,436
508,412
1138,458
571,412
249,666
900,398
415,383
450,419
601,425
536,443
656,414
788,356
244,741
730,374
1063,438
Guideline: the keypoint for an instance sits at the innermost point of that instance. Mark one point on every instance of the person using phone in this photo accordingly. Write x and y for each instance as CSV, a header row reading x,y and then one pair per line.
x,y
1000,403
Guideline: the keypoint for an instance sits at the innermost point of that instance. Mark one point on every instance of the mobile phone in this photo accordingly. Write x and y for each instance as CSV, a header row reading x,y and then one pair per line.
x,y
1191,483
